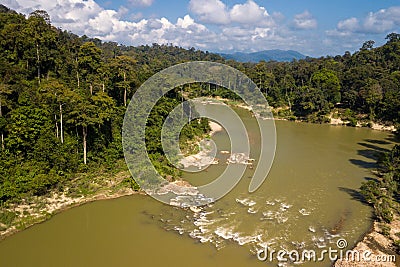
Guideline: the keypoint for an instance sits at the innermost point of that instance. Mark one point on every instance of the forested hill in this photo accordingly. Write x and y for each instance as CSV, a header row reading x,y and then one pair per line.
x,y
364,86
266,55
63,97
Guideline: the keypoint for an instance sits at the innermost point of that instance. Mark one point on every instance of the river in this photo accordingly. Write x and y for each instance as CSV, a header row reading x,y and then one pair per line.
x,y
308,201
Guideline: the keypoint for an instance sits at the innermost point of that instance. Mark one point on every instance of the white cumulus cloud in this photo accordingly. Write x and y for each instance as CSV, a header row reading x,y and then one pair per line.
x,y
350,33
243,27
210,11
13,4
304,21
216,12
382,21
350,24
248,12
144,3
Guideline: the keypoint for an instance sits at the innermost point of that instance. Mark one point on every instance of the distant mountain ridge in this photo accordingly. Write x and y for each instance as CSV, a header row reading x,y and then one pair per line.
x,y
267,55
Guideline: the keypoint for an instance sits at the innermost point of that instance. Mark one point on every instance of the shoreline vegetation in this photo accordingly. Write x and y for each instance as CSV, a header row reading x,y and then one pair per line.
x,y
383,194
104,187
34,210
114,186
333,118
44,207
57,203
377,241
383,240
63,97
39,209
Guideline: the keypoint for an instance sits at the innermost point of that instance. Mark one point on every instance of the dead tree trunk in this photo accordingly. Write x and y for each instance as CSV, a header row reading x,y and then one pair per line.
x,y
55,119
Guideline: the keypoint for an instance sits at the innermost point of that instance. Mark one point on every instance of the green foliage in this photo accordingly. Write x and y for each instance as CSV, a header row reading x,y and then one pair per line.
x,y
371,94
190,131
371,191
285,113
390,162
396,245
329,84
383,192
384,211
62,103
124,76
385,230
367,83
26,125
89,61
349,115
7,217
310,102
63,97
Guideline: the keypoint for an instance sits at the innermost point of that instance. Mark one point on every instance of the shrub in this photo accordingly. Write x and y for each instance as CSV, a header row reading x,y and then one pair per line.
x,y
352,121
396,245
384,211
385,230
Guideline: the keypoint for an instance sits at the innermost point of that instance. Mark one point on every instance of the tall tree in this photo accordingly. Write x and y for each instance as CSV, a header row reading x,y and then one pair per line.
x,y
328,82
89,111
372,94
57,95
288,83
89,63
123,68
43,37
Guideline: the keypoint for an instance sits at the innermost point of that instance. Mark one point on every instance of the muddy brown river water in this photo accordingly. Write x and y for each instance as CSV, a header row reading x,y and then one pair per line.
x,y
308,201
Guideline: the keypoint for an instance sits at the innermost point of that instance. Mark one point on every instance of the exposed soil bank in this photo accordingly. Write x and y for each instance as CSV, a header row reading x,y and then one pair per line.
x,y
380,247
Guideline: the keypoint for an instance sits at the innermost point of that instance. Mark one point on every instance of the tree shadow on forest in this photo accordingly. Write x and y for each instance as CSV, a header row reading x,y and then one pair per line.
x,y
379,142
364,164
355,194
373,147
393,138
368,153
370,150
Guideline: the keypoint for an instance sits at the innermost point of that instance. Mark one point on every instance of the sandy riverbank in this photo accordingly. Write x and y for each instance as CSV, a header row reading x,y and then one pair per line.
x,y
332,121
43,208
374,126
215,127
204,157
379,245
38,209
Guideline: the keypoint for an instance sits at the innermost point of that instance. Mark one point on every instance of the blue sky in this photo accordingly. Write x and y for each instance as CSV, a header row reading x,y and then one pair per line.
x,y
312,27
